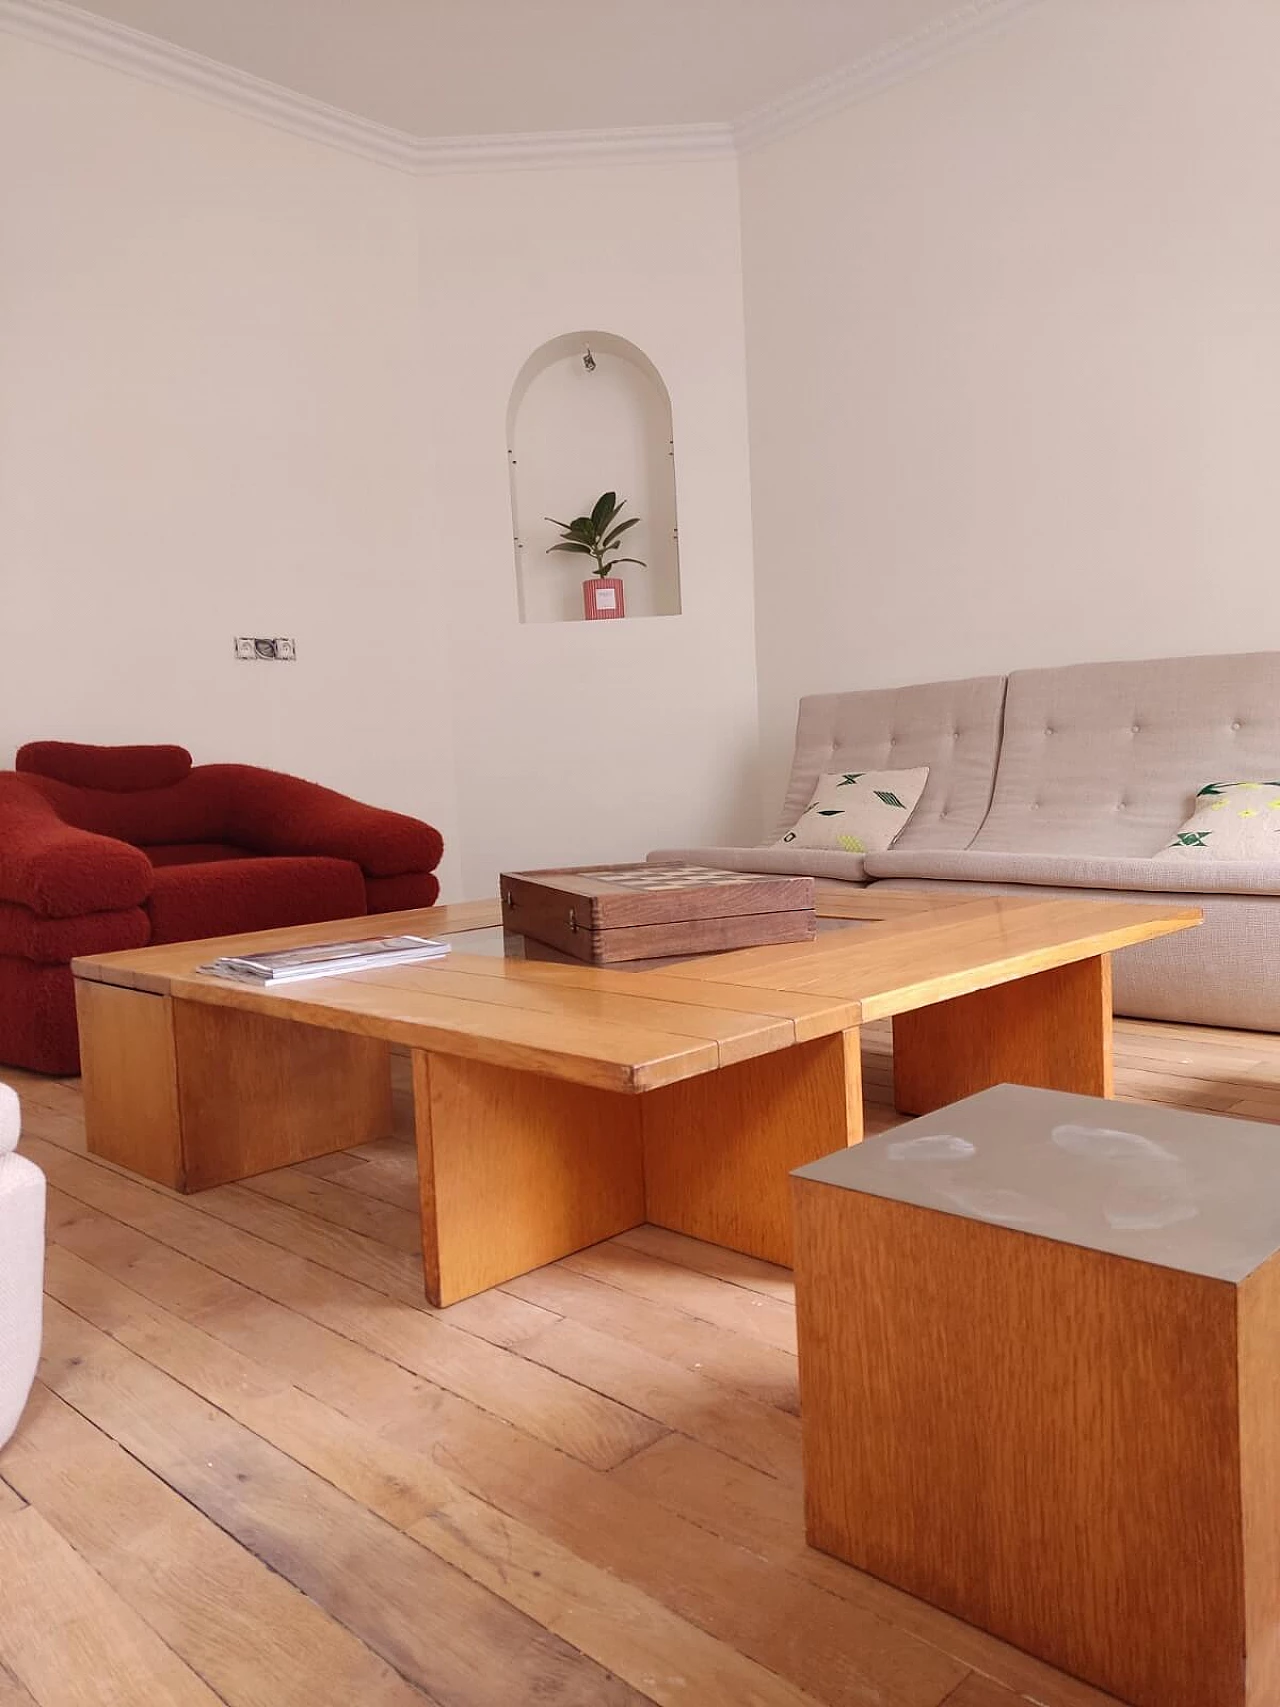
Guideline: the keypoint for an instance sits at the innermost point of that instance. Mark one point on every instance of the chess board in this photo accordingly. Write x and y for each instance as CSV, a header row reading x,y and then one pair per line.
x,y
611,913
652,879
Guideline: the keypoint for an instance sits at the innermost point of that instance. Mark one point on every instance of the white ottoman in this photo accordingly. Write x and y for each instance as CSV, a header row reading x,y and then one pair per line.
x,y
21,1267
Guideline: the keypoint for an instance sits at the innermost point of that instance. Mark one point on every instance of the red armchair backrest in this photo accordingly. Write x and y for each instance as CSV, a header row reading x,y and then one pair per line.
x,y
119,770
142,795
193,810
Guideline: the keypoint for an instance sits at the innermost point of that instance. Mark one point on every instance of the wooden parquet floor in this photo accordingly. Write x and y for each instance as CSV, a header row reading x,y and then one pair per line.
x,y
258,1470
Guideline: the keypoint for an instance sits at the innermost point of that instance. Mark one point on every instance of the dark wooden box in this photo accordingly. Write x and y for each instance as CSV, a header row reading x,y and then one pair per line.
x,y
609,913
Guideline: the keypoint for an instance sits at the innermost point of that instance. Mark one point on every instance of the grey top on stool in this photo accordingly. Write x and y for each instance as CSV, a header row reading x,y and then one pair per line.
x,y
1195,1192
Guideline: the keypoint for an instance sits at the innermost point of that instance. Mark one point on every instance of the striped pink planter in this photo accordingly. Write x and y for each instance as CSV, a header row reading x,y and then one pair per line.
x,y
602,598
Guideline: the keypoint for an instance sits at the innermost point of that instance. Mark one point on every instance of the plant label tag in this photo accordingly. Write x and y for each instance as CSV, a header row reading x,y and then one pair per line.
x,y
606,598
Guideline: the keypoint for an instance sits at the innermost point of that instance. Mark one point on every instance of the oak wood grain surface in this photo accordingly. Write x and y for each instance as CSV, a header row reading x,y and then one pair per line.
x,y
901,962
670,1547
1041,1438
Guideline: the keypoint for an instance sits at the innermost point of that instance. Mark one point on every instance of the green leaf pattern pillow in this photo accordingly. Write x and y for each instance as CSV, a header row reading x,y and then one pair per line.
x,y
858,811
1232,820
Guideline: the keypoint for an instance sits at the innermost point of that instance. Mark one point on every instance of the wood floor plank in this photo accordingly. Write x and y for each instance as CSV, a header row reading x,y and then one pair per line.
x,y
12,1693
670,1660
683,1399
844,1657
733,1266
247,1632
331,1204
391,1178
978,1691
70,1640
766,1515
748,1365
454,1433
662,1282
453,1639
603,1451
568,1415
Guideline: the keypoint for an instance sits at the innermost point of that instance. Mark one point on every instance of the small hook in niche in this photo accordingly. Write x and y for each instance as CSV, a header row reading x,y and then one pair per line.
x,y
589,361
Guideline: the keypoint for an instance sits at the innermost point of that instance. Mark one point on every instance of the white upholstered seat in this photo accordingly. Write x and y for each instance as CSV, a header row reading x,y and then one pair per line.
x,y
21,1267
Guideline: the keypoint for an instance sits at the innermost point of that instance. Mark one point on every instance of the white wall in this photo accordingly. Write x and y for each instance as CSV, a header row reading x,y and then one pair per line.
x,y
250,384
1014,357
591,740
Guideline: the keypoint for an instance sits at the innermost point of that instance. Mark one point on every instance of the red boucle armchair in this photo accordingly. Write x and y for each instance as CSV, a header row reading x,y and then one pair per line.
x,y
105,848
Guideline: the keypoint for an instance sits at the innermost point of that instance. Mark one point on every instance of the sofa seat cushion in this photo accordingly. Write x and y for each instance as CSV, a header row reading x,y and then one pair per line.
x,y
53,942
791,861
193,853
401,894
1080,871
223,897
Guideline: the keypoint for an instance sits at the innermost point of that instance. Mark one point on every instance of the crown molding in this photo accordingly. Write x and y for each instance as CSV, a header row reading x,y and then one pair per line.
x,y
637,144
53,23
893,63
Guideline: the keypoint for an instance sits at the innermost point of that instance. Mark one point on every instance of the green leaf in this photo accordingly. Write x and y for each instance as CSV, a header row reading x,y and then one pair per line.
x,y
571,545
605,509
617,533
638,561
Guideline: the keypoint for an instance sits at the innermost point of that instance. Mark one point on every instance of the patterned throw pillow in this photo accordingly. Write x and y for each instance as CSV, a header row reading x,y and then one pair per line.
x,y
858,811
1232,820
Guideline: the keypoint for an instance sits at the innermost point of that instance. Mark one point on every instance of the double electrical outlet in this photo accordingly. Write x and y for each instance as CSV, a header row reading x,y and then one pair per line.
x,y
282,651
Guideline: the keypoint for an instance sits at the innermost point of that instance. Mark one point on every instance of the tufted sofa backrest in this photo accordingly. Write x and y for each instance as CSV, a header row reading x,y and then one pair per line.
x,y
1106,759
953,727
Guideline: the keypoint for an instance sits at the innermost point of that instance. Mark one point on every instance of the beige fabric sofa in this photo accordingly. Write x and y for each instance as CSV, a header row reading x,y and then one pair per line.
x,y
1055,781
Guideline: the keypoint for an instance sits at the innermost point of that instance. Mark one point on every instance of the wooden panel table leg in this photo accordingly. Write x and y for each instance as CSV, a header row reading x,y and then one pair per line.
x,y
130,1080
516,1170
1051,1029
718,1148
257,1093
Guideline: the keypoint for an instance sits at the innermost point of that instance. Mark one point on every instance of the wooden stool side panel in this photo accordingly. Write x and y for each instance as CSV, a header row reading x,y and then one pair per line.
x,y
718,1148
1260,1478
1038,1438
130,1080
258,1093
516,1170
1052,1029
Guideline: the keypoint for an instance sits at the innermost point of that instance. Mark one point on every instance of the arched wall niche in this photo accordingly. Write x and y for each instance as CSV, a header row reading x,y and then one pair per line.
x,y
573,432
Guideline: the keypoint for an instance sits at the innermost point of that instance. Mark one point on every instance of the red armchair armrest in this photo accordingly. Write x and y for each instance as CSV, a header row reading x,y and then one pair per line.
x,y
57,871
278,814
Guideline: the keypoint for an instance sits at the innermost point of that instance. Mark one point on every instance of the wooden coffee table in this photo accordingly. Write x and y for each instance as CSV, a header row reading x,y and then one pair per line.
x,y
559,1104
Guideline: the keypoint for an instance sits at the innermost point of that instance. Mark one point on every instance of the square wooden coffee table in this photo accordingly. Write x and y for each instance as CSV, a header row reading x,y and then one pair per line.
x,y
559,1104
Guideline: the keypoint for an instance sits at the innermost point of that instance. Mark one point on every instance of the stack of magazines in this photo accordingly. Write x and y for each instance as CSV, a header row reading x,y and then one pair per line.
x,y
323,959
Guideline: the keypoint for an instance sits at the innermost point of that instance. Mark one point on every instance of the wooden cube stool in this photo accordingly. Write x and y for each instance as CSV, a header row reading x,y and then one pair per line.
x,y
1040,1382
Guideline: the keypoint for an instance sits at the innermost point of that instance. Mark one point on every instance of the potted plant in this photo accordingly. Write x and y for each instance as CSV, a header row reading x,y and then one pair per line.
x,y
599,535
